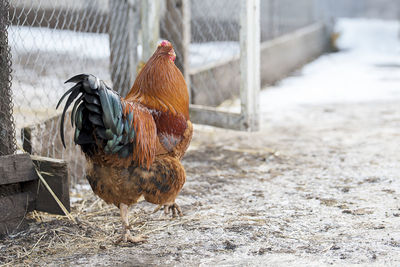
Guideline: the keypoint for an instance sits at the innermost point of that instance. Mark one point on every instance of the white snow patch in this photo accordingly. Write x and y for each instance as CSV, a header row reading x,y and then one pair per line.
x,y
34,39
363,35
367,69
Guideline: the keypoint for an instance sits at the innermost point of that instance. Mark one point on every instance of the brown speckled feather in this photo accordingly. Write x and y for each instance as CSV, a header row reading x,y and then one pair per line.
x,y
159,185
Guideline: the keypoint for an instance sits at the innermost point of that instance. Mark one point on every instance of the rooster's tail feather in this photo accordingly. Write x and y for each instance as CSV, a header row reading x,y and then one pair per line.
x,y
103,120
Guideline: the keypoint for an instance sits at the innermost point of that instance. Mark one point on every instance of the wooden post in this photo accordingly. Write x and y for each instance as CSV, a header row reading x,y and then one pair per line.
x,y
21,190
124,32
55,173
16,169
250,63
26,137
150,27
7,135
13,209
177,31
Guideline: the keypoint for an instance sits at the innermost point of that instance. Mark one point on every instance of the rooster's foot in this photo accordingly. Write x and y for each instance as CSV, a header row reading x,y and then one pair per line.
x,y
174,208
127,237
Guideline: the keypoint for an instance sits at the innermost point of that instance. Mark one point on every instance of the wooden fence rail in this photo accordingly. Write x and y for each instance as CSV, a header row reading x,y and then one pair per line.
x,y
21,190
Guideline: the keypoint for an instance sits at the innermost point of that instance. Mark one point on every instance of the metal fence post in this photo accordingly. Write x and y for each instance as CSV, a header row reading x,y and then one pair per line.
x,y
250,63
124,32
7,134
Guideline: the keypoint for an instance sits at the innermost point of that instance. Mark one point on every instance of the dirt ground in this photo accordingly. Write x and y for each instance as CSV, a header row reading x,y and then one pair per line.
x,y
318,185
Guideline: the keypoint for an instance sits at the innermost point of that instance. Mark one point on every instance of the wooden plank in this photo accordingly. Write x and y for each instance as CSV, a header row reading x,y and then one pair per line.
x,y
55,172
150,23
10,189
250,63
12,209
288,52
213,86
19,174
14,206
214,117
16,168
44,143
20,169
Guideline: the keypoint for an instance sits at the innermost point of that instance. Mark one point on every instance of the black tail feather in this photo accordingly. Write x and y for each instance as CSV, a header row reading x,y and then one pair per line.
x,y
73,94
74,109
64,95
98,117
92,99
77,78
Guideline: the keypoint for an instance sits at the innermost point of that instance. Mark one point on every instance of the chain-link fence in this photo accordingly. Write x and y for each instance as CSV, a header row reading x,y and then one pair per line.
x,y
285,16
214,49
51,40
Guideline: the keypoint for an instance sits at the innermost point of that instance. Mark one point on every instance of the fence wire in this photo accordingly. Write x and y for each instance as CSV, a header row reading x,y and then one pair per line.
x,y
52,40
214,51
285,16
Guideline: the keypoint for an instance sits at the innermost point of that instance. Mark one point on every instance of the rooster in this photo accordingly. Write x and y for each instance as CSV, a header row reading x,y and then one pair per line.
x,y
133,145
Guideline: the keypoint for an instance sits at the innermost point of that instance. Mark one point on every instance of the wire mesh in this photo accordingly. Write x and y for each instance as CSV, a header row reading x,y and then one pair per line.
x,y
214,50
52,40
285,16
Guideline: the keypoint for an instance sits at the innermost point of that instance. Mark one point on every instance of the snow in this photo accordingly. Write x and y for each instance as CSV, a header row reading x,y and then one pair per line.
x,y
33,39
363,35
367,68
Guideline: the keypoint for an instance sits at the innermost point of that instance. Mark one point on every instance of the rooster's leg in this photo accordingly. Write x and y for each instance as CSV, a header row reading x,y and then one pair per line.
x,y
126,235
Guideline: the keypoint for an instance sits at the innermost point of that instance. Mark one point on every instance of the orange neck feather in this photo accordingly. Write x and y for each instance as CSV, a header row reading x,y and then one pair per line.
x,y
160,85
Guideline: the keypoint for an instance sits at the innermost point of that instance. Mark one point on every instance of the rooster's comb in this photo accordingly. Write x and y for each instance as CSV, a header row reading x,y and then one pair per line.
x,y
165,43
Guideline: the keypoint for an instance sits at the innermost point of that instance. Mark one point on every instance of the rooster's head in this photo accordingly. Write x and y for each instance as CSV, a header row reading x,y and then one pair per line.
x,y
165,47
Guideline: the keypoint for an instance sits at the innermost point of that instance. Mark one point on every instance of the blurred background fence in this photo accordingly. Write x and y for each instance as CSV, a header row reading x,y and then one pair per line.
x,y
51,40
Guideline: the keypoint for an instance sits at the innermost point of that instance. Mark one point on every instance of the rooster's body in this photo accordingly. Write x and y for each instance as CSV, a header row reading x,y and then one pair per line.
x,y
133,145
